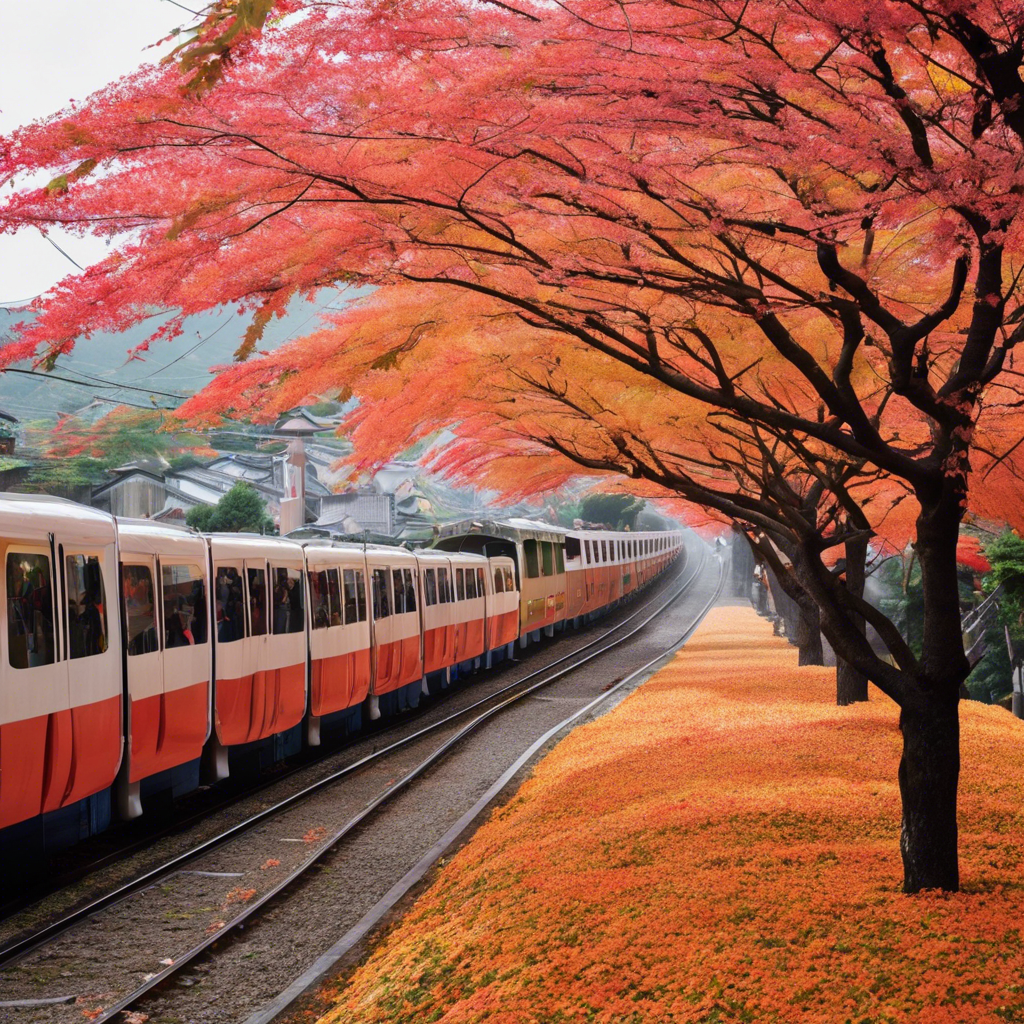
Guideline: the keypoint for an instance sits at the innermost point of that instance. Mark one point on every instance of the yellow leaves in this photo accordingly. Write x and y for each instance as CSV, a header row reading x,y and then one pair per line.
x,y
946,82
196,210
59,185
227,24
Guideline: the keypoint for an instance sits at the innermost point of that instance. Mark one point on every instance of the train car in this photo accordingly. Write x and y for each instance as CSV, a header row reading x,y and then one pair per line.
x,y
565,575
261,643
538,552
169,659
183,650
60,645
341,663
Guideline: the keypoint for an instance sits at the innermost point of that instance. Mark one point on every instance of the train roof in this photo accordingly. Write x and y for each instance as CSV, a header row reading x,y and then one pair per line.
x,y
30,514
507,529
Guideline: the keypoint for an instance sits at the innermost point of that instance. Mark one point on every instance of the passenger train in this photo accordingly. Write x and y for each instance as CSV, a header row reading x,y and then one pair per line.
x,y
139,659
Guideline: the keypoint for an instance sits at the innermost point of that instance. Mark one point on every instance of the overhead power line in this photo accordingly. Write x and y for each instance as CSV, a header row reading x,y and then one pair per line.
x,y
103,383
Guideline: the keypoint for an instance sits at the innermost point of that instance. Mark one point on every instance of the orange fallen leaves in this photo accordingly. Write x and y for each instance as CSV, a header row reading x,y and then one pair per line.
x,y
271,863
721,847
314,835
239,895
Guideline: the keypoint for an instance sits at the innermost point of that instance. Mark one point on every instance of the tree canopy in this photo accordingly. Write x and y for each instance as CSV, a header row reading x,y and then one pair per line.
x,y
761,257
75,453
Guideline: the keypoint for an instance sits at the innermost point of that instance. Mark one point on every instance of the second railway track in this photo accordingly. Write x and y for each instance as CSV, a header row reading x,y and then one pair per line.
x,y
146,938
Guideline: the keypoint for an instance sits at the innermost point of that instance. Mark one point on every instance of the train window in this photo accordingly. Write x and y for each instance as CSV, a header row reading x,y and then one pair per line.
x,y
410,590
470,585
460,585
443,586
586,550
559,559
360,595
604,551
532,563
399,591
320,599
479,582
499,581
429,587
257,601
510,581
379,589
30,635
348,581
87,606
140,609
572,548
230,605
184,588
547,559
288,610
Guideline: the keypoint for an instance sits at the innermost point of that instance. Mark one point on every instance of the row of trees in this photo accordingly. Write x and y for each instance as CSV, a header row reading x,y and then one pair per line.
x,y
762,259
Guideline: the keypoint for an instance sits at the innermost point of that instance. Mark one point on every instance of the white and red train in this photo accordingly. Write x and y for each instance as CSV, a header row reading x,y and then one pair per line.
x,y
136,656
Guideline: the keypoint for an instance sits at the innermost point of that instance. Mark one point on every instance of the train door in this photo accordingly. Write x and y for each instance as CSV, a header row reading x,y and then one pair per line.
x,y
235,661
407,623
287,644
92,664
387,663
476,612
186,656
139,593
36,735
258,648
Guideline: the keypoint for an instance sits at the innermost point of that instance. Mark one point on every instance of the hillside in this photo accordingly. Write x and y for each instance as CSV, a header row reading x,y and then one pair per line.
x,y
179,367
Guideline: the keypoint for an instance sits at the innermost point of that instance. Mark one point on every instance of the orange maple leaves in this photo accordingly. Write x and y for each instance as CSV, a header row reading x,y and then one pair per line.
x,y
709,851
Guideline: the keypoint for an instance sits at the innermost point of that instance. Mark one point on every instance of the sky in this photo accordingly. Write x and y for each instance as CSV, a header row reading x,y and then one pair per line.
x,y
53,51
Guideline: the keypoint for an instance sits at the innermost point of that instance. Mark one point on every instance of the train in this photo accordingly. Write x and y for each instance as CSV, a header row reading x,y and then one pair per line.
x,y
141,660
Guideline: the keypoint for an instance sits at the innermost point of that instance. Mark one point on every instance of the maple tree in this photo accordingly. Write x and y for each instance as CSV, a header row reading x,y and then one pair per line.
x,y
761,257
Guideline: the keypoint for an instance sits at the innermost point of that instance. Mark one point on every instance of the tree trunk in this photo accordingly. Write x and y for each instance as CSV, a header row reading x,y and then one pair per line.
x,y
851,685
803,623
742,566
930,766
808,636
929,774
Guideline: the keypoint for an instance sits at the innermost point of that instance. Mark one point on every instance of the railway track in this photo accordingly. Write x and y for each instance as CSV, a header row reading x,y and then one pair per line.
x,y
242,905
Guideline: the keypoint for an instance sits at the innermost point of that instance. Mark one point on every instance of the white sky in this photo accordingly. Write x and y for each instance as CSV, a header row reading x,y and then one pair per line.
x,y
53,51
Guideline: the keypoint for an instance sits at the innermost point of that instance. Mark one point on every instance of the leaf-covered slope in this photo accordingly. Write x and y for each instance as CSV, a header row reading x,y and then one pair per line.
x,y
718,848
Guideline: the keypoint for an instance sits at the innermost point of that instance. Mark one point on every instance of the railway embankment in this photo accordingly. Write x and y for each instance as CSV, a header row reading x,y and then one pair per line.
x,y
723,846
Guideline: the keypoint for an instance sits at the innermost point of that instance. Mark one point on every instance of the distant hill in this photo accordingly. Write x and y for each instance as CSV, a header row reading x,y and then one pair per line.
x,y
178,367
